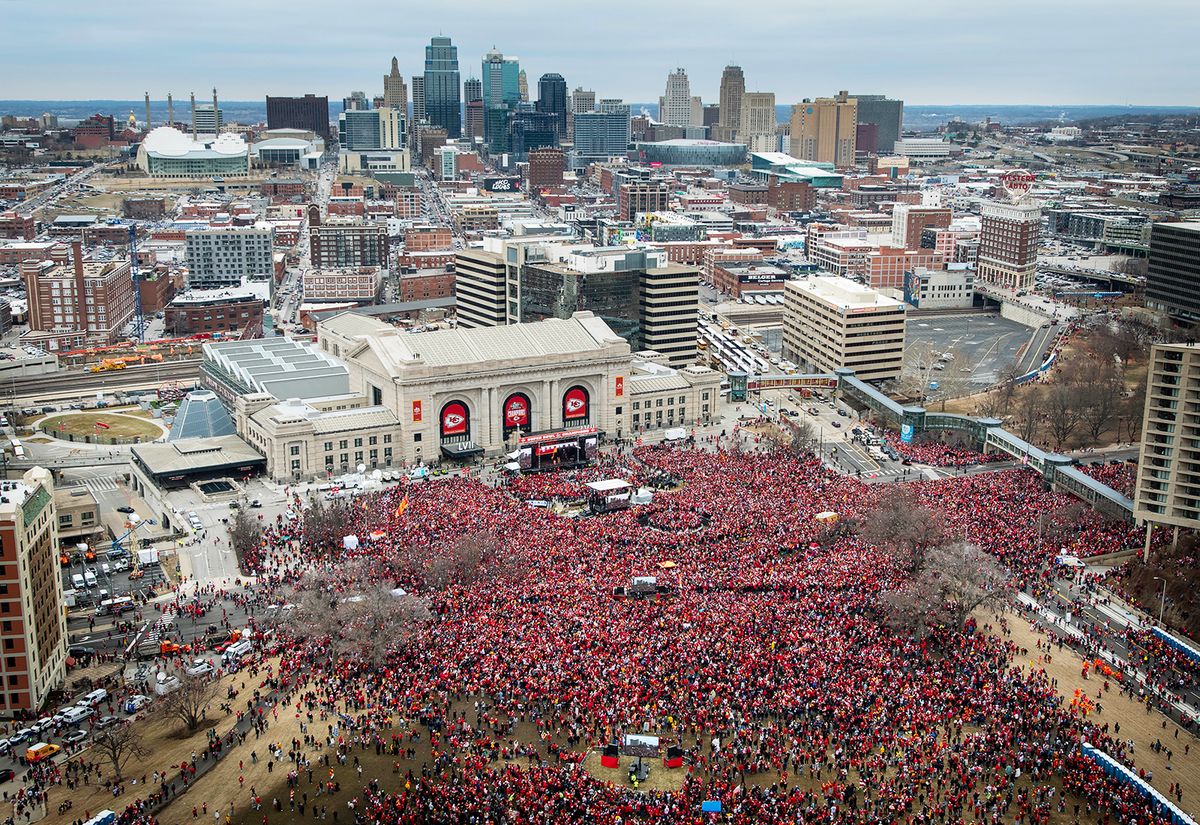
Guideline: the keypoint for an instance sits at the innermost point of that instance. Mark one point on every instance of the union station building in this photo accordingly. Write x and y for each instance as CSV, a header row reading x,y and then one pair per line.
x,y
545,394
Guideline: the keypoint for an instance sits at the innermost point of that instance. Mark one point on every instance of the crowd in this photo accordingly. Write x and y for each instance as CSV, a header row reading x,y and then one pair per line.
x,y
937,453
768,662
1121,477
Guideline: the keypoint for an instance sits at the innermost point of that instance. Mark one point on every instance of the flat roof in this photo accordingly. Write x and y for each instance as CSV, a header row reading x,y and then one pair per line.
x,y
844,293
191,455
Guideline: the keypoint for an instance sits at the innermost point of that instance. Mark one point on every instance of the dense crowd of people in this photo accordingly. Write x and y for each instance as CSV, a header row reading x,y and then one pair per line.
x,y
1121,477
938,453
765,658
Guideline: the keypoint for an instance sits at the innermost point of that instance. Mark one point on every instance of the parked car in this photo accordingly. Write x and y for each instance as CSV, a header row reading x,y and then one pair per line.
x,y
71,737
125,508
7,774
200,668
106,721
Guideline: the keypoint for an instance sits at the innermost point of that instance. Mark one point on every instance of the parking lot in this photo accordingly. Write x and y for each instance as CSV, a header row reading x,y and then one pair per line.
x,y
984,343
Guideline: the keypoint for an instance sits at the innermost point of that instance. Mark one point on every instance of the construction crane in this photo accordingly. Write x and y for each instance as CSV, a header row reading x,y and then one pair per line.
x,y
117,543
140,322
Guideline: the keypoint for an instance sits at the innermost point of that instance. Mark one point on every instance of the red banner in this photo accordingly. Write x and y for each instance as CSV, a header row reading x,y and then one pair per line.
x,y
454,418
416,410
575,404
516,411
620,385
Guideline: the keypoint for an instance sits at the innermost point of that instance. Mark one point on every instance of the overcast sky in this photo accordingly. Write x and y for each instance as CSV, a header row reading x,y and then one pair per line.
x,y
923,51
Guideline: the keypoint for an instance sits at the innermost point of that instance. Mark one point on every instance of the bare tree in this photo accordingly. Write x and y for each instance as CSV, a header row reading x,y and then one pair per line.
x,y
1057,525
1064,409
189,702
324,524
904,527
954,580
117,744
1006,381
245,534
1029,413
1101,399
475,555
918,370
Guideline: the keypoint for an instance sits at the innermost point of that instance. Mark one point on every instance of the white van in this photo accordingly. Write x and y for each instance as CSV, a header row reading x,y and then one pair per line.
x,y
77,714
77,581
94,698
90,578
234,653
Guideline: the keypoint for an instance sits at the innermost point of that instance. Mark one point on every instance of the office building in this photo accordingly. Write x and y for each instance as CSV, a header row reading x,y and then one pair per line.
x,y
832,322
887,265
1168,470
886,115
824,130
552,100
310,113
15,226
669,298
547,166
582,100
637,195
395,92
952,288
358,285
923,148
473,120
1008,244
207,119
758,124
523,86
472,89
233,311
418,96
1173,278
35,621
442,89
86,302
357,101
479,288
733,87
677,106
225,256
499,85
343,242
360,130
909,222
167,152
529,129
600,136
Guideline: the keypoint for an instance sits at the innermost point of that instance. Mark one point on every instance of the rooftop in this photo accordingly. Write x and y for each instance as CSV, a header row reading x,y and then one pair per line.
x,y
279,366
845,294
196,454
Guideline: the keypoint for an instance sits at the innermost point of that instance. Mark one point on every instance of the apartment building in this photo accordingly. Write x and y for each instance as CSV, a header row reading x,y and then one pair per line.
x,y
1008,244
81,303
225,256
1168,478
887,264
340,243
33,624
354,284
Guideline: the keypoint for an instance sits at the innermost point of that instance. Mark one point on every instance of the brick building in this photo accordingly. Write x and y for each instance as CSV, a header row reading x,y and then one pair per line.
x,y
886,266
909,222
88,301
143,209
737,279
343,243
547,167
425,284
357,284
282,189
31,596
17,227
95,132
232,312
425,238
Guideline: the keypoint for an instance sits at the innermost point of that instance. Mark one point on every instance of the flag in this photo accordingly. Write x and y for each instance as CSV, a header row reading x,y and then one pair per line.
x,y
402,506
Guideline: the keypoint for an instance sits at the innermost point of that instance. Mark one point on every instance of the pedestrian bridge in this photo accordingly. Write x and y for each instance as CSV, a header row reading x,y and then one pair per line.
x,y
1058,470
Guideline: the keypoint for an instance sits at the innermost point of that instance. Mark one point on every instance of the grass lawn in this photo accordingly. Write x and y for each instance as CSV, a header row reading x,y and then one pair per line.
x,y
84,423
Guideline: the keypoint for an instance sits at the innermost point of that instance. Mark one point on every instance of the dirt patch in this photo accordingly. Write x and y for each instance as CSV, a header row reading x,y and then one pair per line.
x,y
115,425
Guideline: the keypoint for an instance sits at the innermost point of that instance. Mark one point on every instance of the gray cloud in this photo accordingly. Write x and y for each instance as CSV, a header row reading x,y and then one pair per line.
x,y
929,51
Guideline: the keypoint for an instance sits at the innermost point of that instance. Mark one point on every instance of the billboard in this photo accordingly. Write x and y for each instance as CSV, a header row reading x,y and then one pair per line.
x,y
502,184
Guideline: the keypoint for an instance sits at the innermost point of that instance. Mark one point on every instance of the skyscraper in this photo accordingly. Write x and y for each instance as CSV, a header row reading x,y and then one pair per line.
x,y
886,114
1165,491
308,112
1008,244
582,100
472,89
356,101
1174,269
600,135
395,93
758,123
523,86
824,129
733,87
677,107
552,99
500,80
418,90
443,92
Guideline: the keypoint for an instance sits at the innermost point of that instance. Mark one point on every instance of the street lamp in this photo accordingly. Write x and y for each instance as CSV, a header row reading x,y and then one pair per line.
x,y
1162,599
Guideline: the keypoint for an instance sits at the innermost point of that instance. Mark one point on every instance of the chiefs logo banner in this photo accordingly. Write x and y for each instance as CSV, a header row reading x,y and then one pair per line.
x,y
575,404
454,418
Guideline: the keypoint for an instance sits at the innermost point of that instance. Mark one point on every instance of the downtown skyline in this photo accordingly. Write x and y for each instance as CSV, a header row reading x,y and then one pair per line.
x,y
959,53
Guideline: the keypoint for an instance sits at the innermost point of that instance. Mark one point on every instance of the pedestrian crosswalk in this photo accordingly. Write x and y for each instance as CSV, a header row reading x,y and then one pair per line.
x,y
99,485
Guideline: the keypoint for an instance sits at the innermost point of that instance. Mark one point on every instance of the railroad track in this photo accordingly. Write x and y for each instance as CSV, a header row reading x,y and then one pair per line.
x,y
75,384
